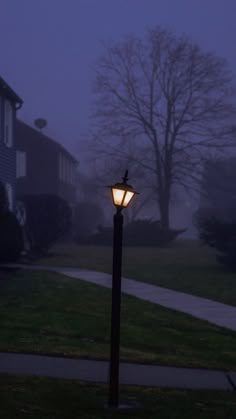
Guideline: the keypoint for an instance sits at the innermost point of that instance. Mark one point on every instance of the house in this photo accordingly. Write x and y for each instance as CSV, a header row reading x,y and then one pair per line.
x,y
10,102
43,165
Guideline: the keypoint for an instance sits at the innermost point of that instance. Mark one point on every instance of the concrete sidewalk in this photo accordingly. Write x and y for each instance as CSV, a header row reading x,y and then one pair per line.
x,y
130,373
202,308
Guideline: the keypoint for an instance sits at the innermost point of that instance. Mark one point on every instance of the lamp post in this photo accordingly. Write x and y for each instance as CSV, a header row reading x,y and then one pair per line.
x,y
122,194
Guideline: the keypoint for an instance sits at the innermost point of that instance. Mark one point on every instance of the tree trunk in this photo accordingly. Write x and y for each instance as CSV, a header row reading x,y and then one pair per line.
x,y
164,213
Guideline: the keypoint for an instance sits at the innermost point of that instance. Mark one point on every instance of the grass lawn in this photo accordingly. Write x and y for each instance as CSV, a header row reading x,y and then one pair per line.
x,y
44,312
187,267
37,398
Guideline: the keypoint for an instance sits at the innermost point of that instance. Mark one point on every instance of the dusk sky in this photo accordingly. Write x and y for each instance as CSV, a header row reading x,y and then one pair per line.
x,y
49,46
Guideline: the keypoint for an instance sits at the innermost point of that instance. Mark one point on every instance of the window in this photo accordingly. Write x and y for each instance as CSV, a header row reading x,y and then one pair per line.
x,y
61,167
20,164
69,172
8,123
65,169
72,175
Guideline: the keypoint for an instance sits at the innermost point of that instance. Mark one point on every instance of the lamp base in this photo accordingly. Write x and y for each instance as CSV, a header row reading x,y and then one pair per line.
x,y
125,405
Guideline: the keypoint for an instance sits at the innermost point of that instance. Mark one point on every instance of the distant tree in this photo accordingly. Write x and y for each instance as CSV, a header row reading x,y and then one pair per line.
x,y
137,233
149,233
48,219
163,105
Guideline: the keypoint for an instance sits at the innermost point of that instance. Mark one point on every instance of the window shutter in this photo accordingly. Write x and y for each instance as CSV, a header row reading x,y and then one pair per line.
x,y
8,123
10,195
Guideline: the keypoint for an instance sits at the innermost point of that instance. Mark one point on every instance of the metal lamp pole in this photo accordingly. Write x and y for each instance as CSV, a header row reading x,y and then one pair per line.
x,y
122,194
115,312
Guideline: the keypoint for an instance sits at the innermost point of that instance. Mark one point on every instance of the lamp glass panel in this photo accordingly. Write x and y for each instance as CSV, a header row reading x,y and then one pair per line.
x,y
129,195
118,195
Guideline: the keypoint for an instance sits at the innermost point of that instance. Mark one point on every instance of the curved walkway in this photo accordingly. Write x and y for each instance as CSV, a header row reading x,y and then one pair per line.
x,y
214,312
130,373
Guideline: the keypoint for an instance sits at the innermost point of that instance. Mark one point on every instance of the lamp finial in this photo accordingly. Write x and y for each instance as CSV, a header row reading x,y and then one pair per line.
x,y
125,178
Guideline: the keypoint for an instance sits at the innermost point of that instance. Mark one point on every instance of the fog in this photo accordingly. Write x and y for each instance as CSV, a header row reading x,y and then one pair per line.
x,y
117,209
49,49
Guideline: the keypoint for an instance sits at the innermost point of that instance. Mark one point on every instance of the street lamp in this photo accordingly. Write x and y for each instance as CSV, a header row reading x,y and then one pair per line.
x,y
122,194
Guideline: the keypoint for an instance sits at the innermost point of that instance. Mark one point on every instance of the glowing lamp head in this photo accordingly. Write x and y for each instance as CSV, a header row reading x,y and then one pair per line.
x,y
122,193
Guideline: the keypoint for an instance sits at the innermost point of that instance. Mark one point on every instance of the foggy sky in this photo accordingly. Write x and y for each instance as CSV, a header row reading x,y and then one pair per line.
x,y
48,47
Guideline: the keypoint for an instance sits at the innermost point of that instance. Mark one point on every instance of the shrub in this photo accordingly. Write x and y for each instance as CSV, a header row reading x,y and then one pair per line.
x,y
219,234
4,204
103,237
148,233
138,233
48,218
11,242
11,239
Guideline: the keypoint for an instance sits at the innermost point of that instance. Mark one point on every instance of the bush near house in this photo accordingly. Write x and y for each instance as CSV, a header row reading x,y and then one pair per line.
x,y
4,204
137,233
219,234
48,219
11,239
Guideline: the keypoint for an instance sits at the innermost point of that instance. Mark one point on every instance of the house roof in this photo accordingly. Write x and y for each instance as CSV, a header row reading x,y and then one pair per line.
x,y
34,135
7,91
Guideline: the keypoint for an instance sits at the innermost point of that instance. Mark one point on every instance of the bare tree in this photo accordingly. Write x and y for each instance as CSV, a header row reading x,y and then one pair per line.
x,y
163,105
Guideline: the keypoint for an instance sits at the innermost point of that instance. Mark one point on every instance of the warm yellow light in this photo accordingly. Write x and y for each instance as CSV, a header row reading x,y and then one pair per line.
x,y
122,197
128,196
122,193
118,196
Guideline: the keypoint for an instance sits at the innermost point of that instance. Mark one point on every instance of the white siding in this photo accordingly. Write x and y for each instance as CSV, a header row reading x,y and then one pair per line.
x,y
20,164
